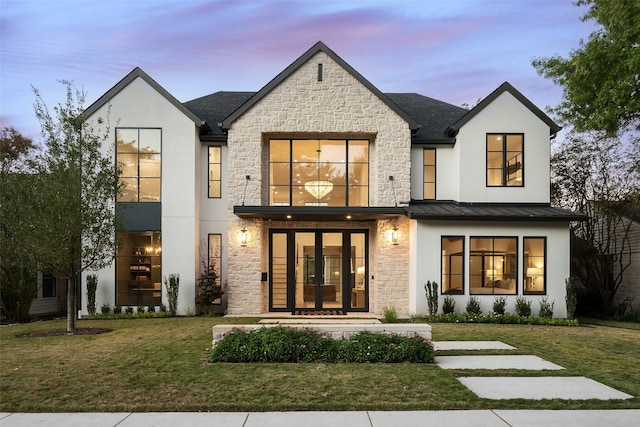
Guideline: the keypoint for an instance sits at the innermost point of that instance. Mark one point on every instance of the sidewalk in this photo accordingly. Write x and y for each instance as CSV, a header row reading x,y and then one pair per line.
x,y
479,418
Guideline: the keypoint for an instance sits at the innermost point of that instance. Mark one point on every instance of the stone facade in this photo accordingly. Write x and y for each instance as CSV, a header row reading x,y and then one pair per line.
x,y
337,106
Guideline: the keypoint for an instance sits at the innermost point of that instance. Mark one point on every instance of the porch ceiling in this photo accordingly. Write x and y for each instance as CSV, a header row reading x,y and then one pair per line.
x,y
308,213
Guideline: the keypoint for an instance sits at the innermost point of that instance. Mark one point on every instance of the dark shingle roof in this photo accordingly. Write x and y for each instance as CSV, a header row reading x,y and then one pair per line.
x,y
434,116
450,210
216,107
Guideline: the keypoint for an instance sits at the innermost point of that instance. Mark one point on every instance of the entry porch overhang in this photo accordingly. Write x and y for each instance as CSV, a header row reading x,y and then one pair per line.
x,y
318,213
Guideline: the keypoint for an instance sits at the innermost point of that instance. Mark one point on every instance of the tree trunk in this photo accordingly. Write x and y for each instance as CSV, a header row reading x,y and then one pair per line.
x,y
71,304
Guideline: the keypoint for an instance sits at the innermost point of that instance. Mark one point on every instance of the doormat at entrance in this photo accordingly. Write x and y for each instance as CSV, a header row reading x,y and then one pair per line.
x,y
319,313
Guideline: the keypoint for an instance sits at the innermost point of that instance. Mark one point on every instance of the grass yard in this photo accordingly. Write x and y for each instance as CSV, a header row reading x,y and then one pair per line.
x,y
161,365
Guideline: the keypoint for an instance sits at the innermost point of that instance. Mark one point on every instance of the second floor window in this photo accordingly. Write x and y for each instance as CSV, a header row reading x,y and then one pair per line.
x,y
215,173
429,174
139,154
318,172
505,160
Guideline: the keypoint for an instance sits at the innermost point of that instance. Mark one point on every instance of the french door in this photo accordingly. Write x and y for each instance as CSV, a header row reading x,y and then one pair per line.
x,y
318,270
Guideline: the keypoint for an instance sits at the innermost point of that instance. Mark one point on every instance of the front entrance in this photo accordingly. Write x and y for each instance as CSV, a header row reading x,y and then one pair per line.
x,y
318,270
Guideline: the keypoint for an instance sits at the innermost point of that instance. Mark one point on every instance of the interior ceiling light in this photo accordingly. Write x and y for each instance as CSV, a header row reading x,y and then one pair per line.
x,y
318,189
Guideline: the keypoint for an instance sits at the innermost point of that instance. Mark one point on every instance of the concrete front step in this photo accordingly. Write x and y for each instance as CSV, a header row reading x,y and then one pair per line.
x,y
525,362
337,330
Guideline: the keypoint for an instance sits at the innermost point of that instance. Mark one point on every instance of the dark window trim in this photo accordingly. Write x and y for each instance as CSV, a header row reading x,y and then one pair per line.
x,y
524,271
209,180
504,160
517,272
346,140
138,177
435,173
464,263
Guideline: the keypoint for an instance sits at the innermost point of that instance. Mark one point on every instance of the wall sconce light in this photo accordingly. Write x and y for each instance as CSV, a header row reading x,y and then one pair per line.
x,y
243,237
392,235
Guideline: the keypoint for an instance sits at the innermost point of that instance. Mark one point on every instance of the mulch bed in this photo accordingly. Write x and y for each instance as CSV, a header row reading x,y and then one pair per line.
x,y
63,332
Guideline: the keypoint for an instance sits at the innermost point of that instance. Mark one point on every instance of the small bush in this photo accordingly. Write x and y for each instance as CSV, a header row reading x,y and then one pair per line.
x,y
495,318
92,285
117,309
105,309
473,306
431,290
448,305
163,308
546,308
571,298
129,310
390,315
151,309
523,307
140,309
291,345
499,305
172,285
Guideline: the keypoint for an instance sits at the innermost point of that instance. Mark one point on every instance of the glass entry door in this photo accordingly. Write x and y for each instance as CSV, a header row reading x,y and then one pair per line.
x,y
318,270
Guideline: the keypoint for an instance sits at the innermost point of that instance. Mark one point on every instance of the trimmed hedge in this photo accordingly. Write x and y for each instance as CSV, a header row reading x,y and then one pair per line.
x,y
291,345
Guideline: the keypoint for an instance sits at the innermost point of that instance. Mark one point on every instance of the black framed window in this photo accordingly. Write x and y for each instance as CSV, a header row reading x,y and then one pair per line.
x,y
429,174
505,160
535,265
493,267
452,267
139,268
49,285
215,172
319,172
139,154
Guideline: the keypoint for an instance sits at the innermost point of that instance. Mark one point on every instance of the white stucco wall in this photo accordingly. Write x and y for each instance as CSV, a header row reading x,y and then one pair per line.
x,y
447,172
140,106
425,254
504,115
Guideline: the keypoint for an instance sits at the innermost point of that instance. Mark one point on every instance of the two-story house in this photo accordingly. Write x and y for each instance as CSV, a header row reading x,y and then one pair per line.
x,y
321,193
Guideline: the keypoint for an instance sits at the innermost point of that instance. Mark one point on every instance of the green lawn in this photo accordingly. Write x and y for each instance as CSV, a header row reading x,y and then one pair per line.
x,y
161,365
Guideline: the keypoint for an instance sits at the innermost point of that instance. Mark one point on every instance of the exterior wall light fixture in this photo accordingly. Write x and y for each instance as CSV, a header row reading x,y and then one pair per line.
x,y
243,237
392,235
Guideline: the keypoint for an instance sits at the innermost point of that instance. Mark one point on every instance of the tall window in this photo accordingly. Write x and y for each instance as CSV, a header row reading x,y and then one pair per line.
x,y
452,265
215,257
493,265
215,172
138,152
429,174
505,157
138,269
313,172
535,267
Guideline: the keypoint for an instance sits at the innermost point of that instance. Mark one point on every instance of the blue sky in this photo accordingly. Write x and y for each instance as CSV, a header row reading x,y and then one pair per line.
x,y
457,51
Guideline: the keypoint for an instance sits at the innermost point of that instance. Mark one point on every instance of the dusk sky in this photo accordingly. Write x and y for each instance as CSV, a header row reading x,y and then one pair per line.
x,y
454,50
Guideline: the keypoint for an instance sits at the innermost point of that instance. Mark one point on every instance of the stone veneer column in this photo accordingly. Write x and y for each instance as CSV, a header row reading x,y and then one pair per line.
x,y
391,270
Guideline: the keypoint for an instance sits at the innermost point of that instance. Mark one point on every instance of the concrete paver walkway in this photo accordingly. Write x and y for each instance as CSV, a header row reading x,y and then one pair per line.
x,y
471,345
541,388
531,363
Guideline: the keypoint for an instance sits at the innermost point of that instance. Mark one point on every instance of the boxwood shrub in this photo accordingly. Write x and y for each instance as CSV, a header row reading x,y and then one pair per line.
x,y
292,345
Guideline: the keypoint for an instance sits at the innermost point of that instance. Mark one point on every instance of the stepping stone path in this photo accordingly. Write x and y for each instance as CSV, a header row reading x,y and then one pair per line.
x,y
537,388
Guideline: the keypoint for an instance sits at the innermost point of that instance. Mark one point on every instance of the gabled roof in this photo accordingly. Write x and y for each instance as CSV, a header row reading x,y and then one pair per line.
x,y
318,47
138,73
504,87
215,107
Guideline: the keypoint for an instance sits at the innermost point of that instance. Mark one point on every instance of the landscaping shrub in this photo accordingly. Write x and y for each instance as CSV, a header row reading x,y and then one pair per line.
x,y
163,308
571,298
448,305
496,318
523,307
140,309
431,290
473,306
546,308
390,315
499,305
117,309
92,285
172,285
151,309
129,310
105,309
291,345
